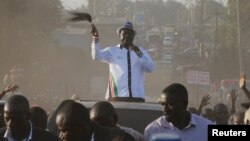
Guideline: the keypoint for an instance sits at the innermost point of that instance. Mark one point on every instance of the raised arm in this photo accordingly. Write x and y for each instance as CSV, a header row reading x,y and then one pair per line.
x,y
242,84
204,102
8,89
233,97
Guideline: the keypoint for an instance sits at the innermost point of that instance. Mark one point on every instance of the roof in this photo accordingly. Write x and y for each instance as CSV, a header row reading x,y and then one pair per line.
x,y
128,105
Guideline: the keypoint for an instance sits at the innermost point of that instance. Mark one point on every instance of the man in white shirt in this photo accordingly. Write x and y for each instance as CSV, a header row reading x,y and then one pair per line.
x,y
177,119
127,64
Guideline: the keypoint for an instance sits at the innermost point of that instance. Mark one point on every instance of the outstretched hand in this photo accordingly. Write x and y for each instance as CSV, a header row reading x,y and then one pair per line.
x,y
11,88
93,30
205,100
233,96
242,82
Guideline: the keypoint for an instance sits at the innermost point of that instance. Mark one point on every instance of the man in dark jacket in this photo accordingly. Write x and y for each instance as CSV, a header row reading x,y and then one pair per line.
x,y
74,124
18,126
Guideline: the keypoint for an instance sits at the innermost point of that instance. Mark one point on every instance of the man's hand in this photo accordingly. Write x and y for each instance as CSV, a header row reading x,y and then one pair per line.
x,y
8,89
205,100
94,31
232,95
136,50
242,82
11,88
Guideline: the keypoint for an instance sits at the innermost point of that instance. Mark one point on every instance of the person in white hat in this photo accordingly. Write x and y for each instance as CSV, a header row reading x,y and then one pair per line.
x,y
127,64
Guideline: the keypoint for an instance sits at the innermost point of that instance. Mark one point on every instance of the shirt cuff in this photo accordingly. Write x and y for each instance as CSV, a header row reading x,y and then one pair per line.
x,y
95,39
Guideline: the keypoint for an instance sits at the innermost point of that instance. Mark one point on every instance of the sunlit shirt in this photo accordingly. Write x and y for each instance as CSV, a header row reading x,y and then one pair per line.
x,y
197,129
8,136
116,57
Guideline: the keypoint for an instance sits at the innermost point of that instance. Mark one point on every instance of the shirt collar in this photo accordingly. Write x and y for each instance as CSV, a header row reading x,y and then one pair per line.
x,y
9,137
163,121
93,137
120,46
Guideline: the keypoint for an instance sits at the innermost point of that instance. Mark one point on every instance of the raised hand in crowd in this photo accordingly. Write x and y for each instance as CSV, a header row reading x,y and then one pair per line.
x,y
232,95
204,102
242,85
9,88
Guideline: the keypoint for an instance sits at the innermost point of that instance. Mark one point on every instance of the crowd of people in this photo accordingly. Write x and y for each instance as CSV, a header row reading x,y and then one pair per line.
x,y
72,121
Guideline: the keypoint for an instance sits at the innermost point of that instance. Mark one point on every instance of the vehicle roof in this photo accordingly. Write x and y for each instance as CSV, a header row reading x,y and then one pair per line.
x,y
2,102
128,105
130,114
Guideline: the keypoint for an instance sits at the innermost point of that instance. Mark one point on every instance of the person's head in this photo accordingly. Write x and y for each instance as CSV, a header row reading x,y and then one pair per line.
x,y
38,117
247,117
126,34
208,113
238,118
103,113
174,98
193,110
221,114
16,116
73,122
51,123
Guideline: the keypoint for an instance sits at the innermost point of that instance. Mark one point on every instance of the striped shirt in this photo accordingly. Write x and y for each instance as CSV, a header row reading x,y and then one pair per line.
x,y
126,69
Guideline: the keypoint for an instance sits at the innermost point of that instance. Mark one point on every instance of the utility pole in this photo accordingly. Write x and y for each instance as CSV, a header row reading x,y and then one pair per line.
x,y
94,8
200,42
216,29
238,32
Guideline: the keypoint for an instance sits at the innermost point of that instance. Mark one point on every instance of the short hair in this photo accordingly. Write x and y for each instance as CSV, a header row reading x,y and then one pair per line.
x,y
178,90
19,101
219,107
75,113
103,109
38,117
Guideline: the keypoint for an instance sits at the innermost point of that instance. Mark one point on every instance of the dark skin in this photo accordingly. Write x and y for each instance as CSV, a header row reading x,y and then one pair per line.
x,y
73,123
9,88
126,39
69,131
102,113
38,117
175,110
243,86
16,116
221,114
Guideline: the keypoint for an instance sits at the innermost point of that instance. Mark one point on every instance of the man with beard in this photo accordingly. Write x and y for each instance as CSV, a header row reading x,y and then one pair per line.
x,y
18,126
177,119
127,64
